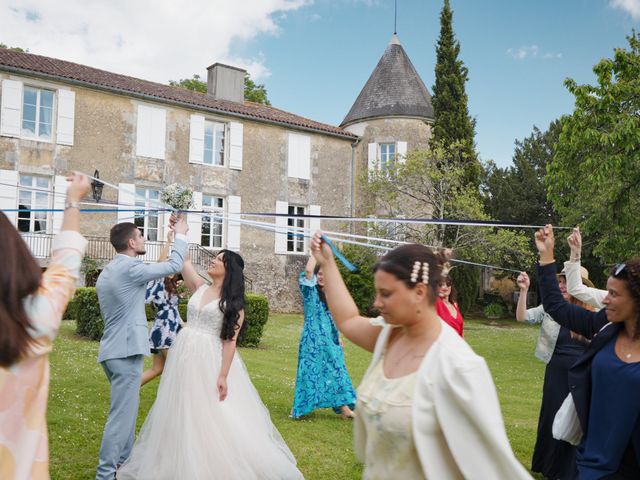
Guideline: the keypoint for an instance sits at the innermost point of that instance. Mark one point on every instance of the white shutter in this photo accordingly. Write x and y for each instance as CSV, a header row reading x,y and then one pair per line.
x,y
151,132
372,156
196,139
143,131
127,201
66,115
299,157
233,225
11,108
401,154
195,220
9,193
314,223
159,128
59,196
281,227
236,132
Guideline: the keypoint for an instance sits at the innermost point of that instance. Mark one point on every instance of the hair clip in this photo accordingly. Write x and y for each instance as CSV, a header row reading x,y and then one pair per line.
x,y
415,270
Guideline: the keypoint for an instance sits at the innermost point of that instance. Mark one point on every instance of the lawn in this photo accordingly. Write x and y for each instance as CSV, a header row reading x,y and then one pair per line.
x,y
321,442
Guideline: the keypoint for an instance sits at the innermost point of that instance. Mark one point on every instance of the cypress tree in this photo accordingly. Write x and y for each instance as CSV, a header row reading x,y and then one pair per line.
x,y
452,124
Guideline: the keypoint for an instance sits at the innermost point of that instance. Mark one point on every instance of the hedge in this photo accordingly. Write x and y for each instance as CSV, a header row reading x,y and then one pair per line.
x,y
256,314
90,324
89,321
71,312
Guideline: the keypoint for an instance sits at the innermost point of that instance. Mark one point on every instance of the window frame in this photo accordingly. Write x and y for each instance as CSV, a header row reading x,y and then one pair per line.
x,y
146,214
387,159
225,149
38,109
221,210
33,190
296,244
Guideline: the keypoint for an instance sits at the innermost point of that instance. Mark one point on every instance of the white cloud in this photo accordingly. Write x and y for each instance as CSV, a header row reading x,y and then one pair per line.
x,y
531,51
150,39
632,7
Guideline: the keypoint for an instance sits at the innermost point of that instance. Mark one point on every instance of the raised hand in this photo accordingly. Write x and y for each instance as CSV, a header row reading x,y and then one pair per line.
x,y
78,187
178,223
545,243
320,250
523,281
575,243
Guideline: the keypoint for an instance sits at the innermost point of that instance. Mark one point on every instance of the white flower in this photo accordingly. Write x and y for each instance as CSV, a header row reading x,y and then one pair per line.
x,y
177,196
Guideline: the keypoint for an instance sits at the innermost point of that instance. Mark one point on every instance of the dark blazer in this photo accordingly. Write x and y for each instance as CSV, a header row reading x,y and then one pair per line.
x,y
593,325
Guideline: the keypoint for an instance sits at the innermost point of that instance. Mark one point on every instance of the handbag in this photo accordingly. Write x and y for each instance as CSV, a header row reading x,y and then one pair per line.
x,y
566,425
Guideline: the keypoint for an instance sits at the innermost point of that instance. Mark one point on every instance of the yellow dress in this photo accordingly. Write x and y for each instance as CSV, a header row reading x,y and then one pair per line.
x,y
385,407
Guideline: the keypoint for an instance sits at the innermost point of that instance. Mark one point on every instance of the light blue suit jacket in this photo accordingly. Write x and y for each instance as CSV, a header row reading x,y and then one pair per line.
x,y
121,289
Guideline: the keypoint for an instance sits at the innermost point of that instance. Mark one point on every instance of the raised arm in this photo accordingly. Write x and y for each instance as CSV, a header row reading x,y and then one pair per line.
x,y
143,273
571,316
575,286
521,308
192,280
343,309
310,267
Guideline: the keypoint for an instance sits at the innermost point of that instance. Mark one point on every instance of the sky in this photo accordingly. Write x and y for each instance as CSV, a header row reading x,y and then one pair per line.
x,y
314,56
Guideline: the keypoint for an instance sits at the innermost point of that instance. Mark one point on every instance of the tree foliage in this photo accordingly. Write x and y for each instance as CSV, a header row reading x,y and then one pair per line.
x,y
253,92
452,124
594,178
428,184
15,49
518,193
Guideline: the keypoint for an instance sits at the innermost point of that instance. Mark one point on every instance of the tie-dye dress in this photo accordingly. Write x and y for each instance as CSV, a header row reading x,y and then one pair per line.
x,y
24,387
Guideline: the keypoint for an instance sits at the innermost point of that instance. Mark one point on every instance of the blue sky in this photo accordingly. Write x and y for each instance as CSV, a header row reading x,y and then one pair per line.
x,y
518,54
314,56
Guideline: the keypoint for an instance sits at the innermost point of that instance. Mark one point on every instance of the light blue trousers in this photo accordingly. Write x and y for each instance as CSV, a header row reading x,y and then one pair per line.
x,y
124,375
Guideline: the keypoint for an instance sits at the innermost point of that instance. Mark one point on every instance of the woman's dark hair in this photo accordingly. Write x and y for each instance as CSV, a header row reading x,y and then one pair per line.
x,y
629,272
232,294
320,288
20,277
399,262
453,295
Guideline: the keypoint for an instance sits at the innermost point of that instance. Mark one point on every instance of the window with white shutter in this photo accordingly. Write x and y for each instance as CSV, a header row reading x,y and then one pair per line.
x,y
299,156
151,132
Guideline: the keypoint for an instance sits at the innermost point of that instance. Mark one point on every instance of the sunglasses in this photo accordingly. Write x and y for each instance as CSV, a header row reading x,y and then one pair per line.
x,y
619,269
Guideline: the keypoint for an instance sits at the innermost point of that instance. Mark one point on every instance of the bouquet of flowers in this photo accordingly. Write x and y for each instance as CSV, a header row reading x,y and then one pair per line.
x,y
177,196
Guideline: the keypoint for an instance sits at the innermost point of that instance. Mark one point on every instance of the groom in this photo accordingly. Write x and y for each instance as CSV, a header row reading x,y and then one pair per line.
x,y
121,291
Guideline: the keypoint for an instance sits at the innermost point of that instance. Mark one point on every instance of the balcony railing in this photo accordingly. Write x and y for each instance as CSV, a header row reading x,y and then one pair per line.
x,y
101,250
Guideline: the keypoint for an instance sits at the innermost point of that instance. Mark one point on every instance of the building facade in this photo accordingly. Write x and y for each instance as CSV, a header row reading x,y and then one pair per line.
x,y
238,157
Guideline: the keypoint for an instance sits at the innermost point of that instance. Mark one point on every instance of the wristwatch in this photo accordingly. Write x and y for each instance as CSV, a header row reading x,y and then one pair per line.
x,y
71,205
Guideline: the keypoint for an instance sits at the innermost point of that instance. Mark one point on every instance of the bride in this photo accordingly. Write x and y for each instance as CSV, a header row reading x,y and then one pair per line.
x,y
208,421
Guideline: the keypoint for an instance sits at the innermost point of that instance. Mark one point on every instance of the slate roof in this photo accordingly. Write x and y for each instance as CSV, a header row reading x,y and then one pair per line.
x,y
74,73
393,89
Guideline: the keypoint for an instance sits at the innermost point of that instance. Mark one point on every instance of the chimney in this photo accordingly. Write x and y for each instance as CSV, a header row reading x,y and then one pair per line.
x,y
225,82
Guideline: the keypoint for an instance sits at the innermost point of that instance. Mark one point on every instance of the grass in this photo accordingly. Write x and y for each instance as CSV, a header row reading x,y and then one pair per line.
x,y
321,442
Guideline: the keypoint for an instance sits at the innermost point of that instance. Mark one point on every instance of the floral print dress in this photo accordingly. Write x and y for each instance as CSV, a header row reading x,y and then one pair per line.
x,y
322,380
167,323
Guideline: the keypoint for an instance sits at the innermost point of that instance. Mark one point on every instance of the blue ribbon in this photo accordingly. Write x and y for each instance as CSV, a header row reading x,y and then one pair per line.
x,y
348,265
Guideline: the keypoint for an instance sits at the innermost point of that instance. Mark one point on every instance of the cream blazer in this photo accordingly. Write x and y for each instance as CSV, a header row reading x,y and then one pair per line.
x,y
457,424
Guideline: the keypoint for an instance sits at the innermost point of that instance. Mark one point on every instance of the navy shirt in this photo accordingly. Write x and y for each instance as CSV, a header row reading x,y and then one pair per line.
x,y
614,417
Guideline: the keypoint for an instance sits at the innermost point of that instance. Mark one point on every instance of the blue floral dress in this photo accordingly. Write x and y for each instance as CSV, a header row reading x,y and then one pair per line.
x,y
322,380
167,323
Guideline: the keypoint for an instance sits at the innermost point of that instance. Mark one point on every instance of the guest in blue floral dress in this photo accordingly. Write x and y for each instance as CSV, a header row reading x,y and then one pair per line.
x,y
322,380
163,295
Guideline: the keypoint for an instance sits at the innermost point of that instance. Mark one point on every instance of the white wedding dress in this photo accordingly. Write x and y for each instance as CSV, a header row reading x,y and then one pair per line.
x,y
189,434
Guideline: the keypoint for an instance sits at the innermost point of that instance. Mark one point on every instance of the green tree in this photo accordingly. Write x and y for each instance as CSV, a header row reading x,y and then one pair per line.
x,y
452,124
429,185
15,49
594,178
518,193
253,92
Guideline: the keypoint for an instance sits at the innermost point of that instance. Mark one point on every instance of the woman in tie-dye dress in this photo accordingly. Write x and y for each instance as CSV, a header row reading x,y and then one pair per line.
x,y
31,308
322,380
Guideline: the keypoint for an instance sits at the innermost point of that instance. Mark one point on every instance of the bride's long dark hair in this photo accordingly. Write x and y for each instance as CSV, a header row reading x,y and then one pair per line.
x,y
232,295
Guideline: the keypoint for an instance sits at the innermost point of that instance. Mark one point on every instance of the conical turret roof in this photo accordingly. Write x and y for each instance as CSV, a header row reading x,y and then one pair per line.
x,y
393,89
